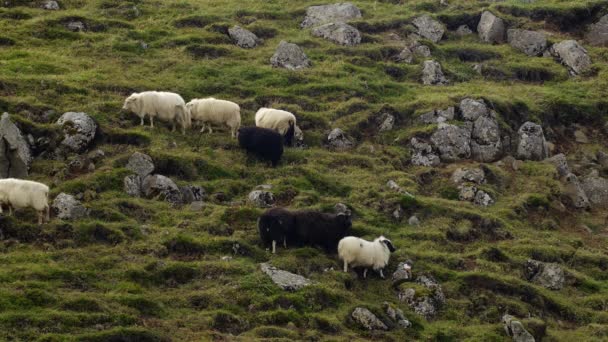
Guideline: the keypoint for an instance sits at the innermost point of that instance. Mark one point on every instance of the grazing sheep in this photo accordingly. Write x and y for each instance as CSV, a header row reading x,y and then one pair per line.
x,y
362,253
164,105
278,120
18,193
213,111
265,143
274,226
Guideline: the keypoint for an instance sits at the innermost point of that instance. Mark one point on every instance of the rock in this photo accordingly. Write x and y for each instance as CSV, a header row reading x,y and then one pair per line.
x,y
548,275
403,273
560,163
486,145
471,109
367,319
132,185
161,187
334,13
76,26
596,189
66,207
338,140
429,28
438,116
432,74
423,154
483,199
339,33
491,29
289,56
580,137
531,142
398,213
341,208
467,192
50,5
452,142
575,192
413,221
426,306
597,33
243,38
572,55
463,30
192,193
386,122
97,156
421,50
396,315
405,56
602,159
475,175
261,198
516,329
141,164
15,155
79,131
285,280
531,43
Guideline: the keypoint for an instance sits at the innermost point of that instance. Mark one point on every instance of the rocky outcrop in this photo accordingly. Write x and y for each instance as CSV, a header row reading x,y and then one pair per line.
x,y
432,74
338,140
573,55
79,131
531,142
367,319
289,56
334,13
486,144
414,49
15,155
429,28
516,330
397,316
491,29
285,280
261,198
531,43
452,142
340,33
141,164
597,33
423,154
548,275
243,38
66,207
426,306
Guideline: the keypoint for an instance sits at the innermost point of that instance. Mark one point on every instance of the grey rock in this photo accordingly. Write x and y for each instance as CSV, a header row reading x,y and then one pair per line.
x,y
572,55
339,33
141,164
429,28
602,159
560,163
413,221
580,137
192,193
425,306
452,142
475,175
596,189
132,185
463,30
432,74
421,50
285,280
467,192
531,142
97,155
491,29
162,188
516,330
471,109
341,208
531,43
289,56
548,275
15,155
66,207
50,5
78,129
338,140
423,154
403,273
405,56
243,38
437,116
398,213
261,198
483,199
76,26
575,191
397,316
367,319
334,13
486,145
597,34
387,122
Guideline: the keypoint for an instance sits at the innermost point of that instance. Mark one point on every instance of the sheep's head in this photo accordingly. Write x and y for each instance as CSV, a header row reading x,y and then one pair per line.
x,y
130,102
387,243
345,222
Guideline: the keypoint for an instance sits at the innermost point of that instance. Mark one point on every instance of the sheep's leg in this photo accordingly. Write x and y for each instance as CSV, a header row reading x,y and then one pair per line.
x,y
285,242
40,217
364,273
173,129
345,266
203,128
48,213
274,246
210,130
141,122
10,210
381,274
151,122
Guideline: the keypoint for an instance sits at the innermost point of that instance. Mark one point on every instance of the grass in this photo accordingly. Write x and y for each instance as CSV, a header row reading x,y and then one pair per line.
x,y
143,270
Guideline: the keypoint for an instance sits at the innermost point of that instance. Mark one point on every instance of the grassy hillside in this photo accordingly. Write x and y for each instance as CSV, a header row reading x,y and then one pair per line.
x,y
144,269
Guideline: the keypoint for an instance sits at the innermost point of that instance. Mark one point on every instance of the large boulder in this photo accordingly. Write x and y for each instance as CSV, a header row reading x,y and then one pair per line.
x,y
531,142
491,29
15,154
141,164
548,275
338,140
161,187
597,34
334,13
471,109
429,28
423,154
596,189
285,280
79,131
432,74
340,33
367,319
452,142
516,330
242,37
289,56
486,145
261,198
574,191
66,207
573,55
531,43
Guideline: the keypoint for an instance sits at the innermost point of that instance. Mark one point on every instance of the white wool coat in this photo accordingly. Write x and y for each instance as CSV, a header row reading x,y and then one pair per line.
x,y
358,252
275,119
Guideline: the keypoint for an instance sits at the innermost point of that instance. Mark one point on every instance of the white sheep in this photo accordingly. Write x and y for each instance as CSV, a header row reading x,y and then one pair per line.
x,y
281,121
358,252
213,111
19,193
164,105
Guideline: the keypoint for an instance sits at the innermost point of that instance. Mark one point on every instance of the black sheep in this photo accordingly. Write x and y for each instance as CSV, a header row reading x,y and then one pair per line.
x,y
264,143
289,135
274,226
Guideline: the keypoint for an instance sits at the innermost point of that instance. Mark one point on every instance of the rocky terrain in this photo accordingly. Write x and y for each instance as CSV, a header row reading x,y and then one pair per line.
x,y
470,133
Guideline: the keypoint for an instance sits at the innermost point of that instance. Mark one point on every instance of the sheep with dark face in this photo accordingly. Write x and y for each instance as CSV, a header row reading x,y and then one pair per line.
x,y
274,226
358,252
264,143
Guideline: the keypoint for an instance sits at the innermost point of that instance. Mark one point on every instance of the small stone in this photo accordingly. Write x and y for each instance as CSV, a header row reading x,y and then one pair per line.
x,y
423,154
341,208
483,199
334,13
403,273
532,144
516,329
339,33
338,140
467,192
66,207
581,137
429,28
463,30
367,319
413,221
132,185
290,56
475,175
243,38
285,280
432,74
549,275
261,198
50,5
